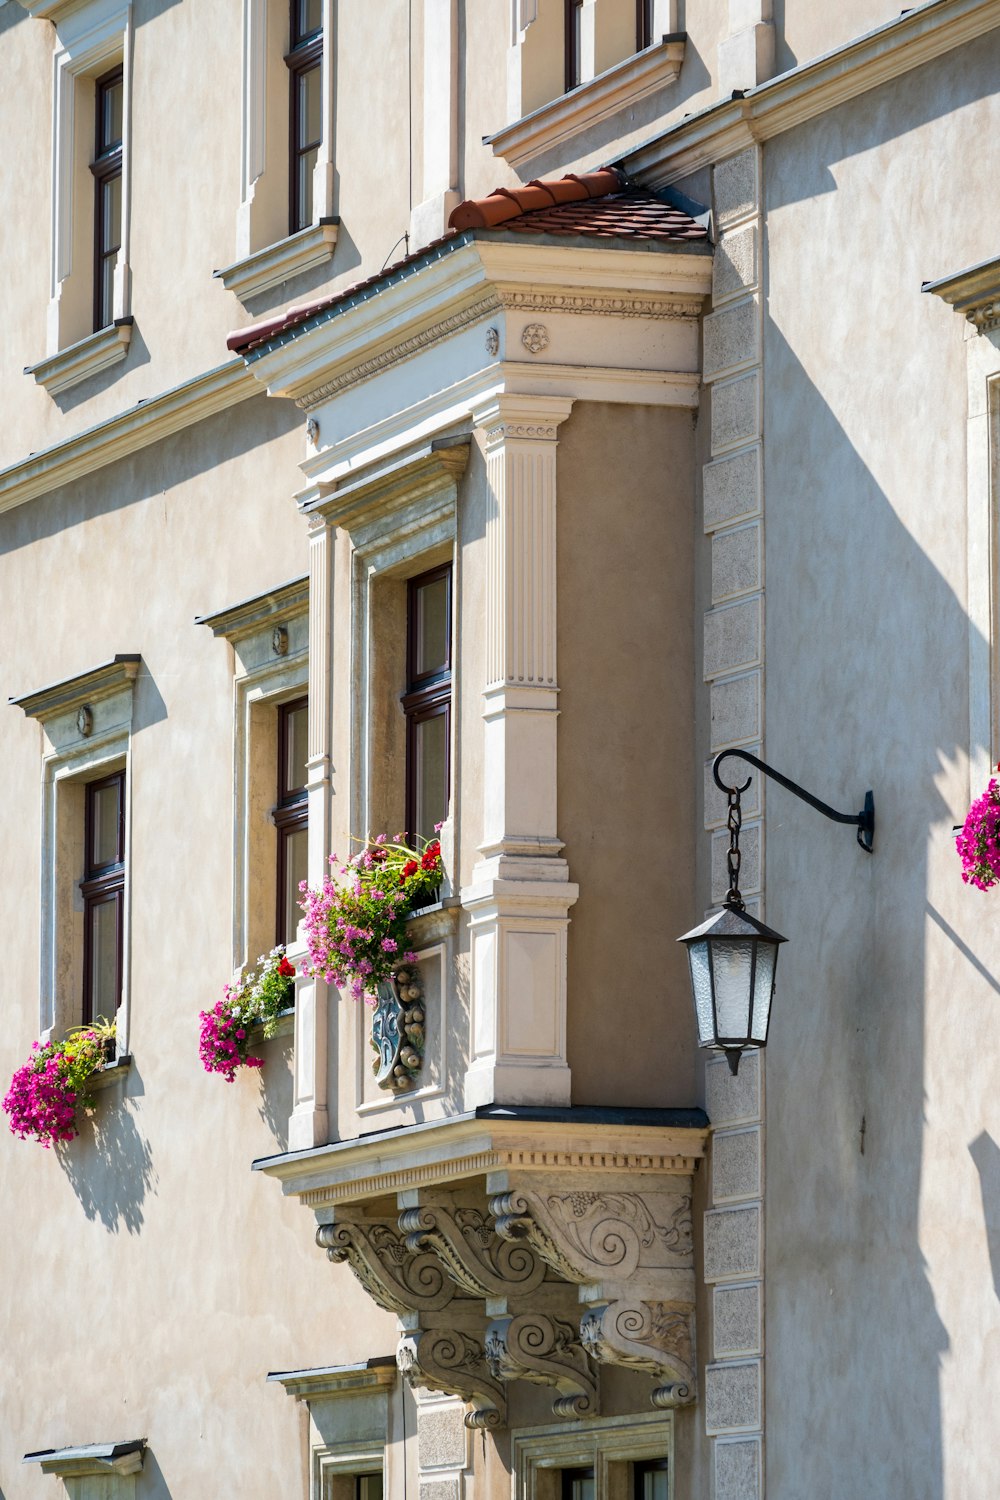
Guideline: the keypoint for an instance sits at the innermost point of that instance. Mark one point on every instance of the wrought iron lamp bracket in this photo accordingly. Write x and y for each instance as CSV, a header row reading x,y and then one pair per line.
x,y
864,821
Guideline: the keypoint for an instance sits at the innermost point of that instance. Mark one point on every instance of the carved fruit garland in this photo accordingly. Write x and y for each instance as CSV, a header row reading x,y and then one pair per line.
x,y
397,1035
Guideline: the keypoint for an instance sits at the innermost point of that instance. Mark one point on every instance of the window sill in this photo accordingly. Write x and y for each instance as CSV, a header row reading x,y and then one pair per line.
x,y
111,1073
96,352
617,88
274,264
430,923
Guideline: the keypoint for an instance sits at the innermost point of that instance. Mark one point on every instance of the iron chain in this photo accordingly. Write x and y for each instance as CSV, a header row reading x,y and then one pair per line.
x,y
735,822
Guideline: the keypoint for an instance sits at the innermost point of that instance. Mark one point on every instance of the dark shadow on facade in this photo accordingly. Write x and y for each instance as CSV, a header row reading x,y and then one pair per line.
x,y
986,1154
110,1166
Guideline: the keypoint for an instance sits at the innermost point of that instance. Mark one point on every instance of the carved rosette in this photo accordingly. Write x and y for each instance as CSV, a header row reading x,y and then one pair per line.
x,y
445,1359
392,1275
545,1351
657,1337
466,1243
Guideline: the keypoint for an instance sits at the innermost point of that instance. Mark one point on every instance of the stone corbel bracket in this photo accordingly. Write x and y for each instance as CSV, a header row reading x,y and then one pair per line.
x,y
390,1273
546,1351
631,1255
445,1357
466,1243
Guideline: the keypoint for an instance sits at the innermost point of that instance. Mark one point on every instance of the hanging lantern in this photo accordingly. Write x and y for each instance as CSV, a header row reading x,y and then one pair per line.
x,y
733,958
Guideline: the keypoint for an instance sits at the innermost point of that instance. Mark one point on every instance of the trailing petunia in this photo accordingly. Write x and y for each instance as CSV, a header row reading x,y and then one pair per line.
x,y
257,995
46,1091
355,924
978,844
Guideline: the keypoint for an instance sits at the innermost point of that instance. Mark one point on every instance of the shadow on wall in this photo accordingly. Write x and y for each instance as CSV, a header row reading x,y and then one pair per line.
x,y
276,1088
110,1167
868,646
986,1154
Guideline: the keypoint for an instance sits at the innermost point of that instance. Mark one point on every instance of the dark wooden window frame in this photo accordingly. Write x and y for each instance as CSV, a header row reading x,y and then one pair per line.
x,y
643,24
428,694
571,48
106,168
305,52
290,814
102,883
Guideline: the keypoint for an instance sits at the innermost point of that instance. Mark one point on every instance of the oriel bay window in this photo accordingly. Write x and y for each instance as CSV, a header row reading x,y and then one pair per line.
x,y
103,890
291,814
427,700
107,170
304,61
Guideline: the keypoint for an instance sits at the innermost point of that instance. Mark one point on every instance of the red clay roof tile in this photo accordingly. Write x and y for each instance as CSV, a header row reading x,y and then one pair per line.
x,y
593,205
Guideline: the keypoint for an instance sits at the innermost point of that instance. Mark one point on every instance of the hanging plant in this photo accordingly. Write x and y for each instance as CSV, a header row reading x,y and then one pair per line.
x,y
256,996
355,924
978,843
47,1091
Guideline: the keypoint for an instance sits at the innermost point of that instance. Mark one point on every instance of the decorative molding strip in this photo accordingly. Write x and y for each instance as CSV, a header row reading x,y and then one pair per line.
x,y
913,38
143,424
86,357
685,308
276,263
274,607
615,89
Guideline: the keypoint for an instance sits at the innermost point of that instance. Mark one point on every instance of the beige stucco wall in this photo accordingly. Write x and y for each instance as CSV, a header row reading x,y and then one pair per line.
x,y
164,1278
626,748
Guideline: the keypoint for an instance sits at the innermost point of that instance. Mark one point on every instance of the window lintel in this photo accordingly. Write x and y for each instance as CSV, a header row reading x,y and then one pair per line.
x,y
79,692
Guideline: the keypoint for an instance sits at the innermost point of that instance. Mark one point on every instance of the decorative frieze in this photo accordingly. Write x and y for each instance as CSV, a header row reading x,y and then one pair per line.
x,y
590,1236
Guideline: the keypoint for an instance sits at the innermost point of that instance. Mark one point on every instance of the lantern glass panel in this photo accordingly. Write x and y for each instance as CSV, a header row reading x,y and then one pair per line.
x,y
732,960
701,984
763,988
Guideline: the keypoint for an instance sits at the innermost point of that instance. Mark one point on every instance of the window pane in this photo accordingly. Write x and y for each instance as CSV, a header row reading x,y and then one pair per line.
x,y
305,204
309,17
105,809
296,846
296,749
369,1487
431,748
112,97
652,1481
432,626
310,108
578,1484
111,209
103,917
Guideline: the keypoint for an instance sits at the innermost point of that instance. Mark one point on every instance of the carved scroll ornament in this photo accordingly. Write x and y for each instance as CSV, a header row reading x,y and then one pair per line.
x,y
446,1359
466,1243
545,1351
589,1236
391,1274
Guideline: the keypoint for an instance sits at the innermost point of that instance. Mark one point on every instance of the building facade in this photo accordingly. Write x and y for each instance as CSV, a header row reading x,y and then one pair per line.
x,y
477,417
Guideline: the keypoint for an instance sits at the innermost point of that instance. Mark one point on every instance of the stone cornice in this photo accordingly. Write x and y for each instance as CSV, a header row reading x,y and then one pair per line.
x,y
434,467
274,264
250,615
469,280
91,1460
913,38
125,433
71,365
451,1150
339,1380
974,292
75,692
616,88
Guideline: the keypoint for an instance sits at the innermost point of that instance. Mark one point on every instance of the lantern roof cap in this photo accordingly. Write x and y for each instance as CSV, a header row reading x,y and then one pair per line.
x,y
732,922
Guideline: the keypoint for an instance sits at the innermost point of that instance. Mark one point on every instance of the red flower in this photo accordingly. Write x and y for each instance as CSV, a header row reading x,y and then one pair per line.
x,y
431,857
285,969
410,868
